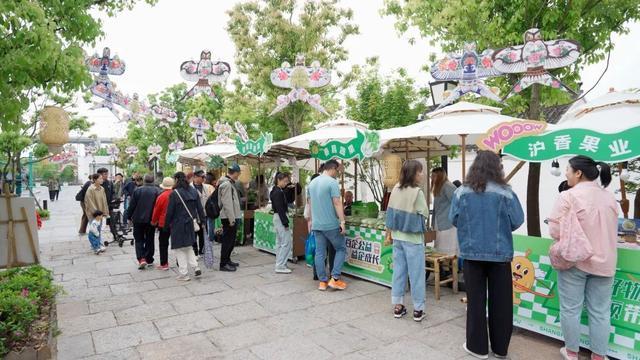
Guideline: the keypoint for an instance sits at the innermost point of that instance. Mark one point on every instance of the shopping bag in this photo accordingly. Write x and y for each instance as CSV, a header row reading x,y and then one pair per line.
x,y
310,248
208,254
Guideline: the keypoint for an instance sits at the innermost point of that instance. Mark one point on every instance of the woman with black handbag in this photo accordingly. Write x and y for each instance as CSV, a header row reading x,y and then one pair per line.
x,y
185,216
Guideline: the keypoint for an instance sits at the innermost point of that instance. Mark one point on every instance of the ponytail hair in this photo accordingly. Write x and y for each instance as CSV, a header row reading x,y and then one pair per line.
x,y
279,176
591,169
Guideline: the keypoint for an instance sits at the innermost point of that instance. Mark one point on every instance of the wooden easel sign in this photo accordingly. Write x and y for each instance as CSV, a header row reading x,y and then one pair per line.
x,y
18,231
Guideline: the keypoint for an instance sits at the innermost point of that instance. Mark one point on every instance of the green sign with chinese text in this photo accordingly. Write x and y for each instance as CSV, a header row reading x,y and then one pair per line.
x,y
254,147
364,145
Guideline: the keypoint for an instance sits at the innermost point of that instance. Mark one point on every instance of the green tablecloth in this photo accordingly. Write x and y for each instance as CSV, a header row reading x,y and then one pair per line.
x,y
367,257
264,234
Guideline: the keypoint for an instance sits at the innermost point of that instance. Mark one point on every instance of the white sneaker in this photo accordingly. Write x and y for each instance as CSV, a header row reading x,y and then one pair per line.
x,y
183,278
566,355
103,249
283,271
464,346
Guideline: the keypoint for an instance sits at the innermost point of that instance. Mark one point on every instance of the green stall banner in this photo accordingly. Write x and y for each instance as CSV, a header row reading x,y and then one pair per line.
x,y
264,234
364,145
611,148
254,147
536,305
367,257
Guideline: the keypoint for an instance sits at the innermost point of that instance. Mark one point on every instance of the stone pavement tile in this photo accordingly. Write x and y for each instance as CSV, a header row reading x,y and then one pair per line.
x,y
84,275
249,261
49,263
65,269
285,303
237,296
84,323
233,338
248,281
74,347
92,259
329,296
186,324
436,316
145,312
195,346
447,338
238,355
197,303
365,287
131,263
234,314
351,309
460,322
342,339
168,282
206,287
125,354
152,274
166,294
75,284
121,270
132,287
384,326
285,287
109,280
291,348
404,349
115,303
528,345
296,322
72,309
122,337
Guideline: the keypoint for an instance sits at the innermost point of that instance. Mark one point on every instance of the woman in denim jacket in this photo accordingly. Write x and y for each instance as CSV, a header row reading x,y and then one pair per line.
x,y
486,211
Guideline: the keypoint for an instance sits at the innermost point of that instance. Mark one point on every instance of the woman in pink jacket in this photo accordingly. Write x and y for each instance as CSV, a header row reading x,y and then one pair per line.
x,y
591,280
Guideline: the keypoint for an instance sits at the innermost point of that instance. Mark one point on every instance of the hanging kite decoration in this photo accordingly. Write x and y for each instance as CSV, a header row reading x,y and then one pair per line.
x,y
164,115
364,145
468,69
172,155
90,150
224,132
247,146
113,150
299,78
154,151
103,87
200,125
131,151
206,73
534,58
176,146
138,110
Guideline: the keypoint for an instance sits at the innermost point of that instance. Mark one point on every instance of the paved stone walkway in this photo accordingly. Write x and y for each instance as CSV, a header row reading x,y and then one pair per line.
x,y
111,310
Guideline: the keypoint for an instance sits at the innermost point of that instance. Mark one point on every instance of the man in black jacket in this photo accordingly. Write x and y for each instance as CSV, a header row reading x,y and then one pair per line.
x,y
139,213
129,187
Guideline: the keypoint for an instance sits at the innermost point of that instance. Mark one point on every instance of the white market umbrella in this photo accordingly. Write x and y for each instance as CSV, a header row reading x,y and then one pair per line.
x,y
203,153
610,113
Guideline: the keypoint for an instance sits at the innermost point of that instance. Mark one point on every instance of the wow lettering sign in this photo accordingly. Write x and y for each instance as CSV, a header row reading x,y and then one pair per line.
x,y
504,133
612,148
364,145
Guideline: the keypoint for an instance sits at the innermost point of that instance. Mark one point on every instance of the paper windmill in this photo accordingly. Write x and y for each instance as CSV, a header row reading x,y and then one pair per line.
x,y
205,72
200,125
467,69
132,151
106,90
105,65
534,58
154,151
164,115
300,78
224,130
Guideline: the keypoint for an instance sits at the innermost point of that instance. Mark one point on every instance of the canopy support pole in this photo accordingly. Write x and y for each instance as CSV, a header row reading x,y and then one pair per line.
x,y
515,170
355,178
406,149
624,203
258,183
342,180
428,176
463,137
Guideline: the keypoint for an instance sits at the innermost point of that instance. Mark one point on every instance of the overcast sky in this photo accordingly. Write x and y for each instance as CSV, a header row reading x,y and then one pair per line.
x,y
154,41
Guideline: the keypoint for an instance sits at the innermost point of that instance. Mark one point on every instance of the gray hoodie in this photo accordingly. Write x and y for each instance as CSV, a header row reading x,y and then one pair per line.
x,y
228,200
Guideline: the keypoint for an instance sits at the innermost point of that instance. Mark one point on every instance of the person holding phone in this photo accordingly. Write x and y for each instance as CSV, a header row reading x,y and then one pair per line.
x,y
327,224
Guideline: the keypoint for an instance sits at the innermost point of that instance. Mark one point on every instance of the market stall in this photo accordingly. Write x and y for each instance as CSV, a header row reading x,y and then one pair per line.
x,y
606,129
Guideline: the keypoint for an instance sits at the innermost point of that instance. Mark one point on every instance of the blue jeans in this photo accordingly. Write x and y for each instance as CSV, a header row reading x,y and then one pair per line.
x,y
211,228
337,240
95,241
408,261
575,286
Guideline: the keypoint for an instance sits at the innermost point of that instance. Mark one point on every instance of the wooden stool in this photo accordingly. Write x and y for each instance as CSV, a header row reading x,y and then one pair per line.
x,y
434,261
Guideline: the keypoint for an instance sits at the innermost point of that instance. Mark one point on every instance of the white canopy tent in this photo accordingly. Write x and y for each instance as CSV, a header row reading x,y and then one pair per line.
x,y
203,153
610,113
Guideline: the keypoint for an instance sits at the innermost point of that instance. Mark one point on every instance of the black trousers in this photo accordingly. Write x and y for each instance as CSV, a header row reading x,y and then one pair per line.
x,y
52,195
331,254
57,194
480,276
144,236
228,241
163,242
198,246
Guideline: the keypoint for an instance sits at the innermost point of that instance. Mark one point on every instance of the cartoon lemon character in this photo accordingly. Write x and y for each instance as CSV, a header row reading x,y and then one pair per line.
x,y
523,275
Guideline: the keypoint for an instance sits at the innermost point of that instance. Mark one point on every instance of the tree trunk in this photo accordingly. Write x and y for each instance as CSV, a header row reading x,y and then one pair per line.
x,y
533,181
636,206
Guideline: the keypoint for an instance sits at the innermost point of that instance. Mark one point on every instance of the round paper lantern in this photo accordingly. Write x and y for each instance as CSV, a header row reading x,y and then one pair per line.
x,y
54,128
392,165
245,174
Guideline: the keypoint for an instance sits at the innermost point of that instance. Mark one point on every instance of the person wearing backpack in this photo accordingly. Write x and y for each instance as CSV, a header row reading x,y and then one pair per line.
x,y
230,216
84,221
184,216
596,211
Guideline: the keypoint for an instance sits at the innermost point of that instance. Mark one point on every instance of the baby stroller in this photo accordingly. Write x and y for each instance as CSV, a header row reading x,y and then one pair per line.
x,y
119,228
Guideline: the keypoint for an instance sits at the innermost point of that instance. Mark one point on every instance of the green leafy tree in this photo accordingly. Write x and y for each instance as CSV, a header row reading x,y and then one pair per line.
x,y
42,63
270,32
385,102
67,174
499,23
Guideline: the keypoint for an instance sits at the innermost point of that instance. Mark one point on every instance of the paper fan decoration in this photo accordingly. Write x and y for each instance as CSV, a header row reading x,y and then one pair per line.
x,y
200,125
299,78
224,132
534,58
205,72
165,115
468,69
154,151
132,151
